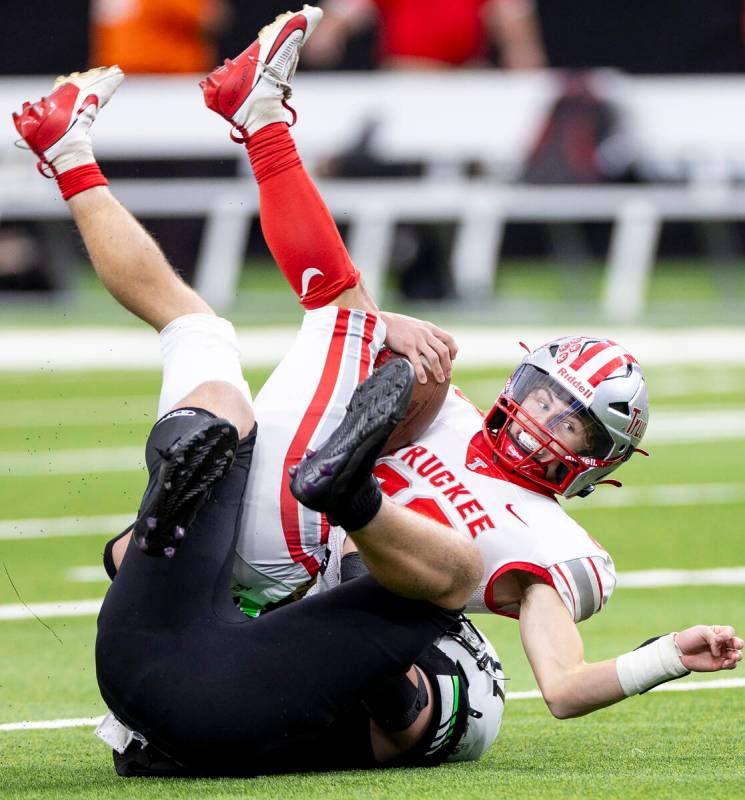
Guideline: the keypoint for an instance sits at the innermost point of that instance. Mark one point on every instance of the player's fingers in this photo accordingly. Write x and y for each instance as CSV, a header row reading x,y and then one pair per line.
x,y
711,640
434,362
443,355
446,339
412,353
735,643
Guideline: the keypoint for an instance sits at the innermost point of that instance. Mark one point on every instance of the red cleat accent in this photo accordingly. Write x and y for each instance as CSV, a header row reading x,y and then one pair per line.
x,y
262,72
227,87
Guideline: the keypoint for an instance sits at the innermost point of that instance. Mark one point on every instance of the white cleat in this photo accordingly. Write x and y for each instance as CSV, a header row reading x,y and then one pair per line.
x,y
251,91
57,128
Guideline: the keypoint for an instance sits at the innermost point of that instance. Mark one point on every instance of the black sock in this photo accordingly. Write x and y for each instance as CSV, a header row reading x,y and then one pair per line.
x,y
352,566
358,508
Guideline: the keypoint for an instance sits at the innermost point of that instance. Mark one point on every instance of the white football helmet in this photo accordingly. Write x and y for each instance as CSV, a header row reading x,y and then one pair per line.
x,y
481,669
589,388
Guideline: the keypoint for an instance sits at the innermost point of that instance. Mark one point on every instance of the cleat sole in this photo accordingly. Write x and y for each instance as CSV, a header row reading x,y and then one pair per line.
x,y
189,470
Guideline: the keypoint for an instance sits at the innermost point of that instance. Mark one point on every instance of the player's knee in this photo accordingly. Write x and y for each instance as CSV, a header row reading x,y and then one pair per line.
x,y
224,400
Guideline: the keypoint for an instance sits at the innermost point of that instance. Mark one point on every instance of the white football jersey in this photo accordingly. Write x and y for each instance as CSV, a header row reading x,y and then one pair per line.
x,y
449,475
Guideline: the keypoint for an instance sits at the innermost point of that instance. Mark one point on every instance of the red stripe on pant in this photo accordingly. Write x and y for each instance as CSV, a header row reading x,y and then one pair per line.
x,y
366,356
297,225
289,506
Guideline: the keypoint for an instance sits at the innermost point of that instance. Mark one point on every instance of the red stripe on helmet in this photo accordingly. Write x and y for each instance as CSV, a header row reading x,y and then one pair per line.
x,y
591,352
610,368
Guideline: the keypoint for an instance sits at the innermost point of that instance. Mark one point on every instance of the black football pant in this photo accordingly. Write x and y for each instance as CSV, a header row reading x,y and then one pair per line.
x,y
224,694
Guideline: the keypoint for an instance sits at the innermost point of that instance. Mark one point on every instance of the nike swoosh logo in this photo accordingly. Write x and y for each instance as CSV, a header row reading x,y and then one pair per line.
x,y
515,514
308,276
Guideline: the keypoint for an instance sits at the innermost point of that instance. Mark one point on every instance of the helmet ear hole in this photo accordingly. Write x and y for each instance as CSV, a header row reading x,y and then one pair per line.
x,y
622,408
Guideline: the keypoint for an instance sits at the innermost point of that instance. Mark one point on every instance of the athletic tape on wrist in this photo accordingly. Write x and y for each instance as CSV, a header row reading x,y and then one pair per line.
x,y
650,665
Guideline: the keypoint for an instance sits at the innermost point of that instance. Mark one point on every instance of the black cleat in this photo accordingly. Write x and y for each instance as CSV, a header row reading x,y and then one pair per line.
x,y
337,478
179,486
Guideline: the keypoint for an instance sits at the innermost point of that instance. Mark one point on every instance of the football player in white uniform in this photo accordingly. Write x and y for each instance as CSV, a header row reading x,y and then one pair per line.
x,y
283,544
242,706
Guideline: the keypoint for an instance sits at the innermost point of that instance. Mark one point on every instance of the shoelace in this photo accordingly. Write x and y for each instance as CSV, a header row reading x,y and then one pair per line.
x,y
41,165
271,73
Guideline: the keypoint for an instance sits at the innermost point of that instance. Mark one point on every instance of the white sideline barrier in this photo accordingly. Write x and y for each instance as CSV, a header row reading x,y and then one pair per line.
x,y
678,127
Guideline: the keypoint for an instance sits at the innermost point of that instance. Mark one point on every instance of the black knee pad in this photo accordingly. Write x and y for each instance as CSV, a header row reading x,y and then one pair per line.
x,y
168,430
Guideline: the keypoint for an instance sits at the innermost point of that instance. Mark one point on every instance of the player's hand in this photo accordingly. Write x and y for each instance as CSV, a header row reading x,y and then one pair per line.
x,y
415,339
709,648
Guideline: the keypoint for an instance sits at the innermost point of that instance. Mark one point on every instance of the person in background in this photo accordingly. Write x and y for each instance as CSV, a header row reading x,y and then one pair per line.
x,y
432,34
131,33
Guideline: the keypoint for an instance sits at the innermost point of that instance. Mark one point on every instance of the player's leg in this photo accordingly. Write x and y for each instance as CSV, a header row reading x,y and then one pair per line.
x,y
126,258
130,263
189,451
250,92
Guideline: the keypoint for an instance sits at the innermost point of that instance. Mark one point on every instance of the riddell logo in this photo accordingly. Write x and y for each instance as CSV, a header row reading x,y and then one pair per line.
x,y
575,382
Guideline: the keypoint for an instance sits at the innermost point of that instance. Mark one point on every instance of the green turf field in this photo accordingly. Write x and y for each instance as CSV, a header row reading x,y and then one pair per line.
x,y
672,745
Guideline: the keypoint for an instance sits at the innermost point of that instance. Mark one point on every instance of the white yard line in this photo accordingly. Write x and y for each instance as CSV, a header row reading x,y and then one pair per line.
x,y
674,494
80,411
94,574
72,462
92,722
669,427
685,494
70,608
54,527
675,686
657,578
121,348
642,579
52,724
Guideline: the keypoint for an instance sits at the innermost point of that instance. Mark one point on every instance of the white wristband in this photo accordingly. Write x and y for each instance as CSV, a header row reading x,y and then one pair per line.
x,y
650,665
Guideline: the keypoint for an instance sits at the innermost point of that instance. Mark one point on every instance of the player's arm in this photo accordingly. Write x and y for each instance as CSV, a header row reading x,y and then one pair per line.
x,y
571,687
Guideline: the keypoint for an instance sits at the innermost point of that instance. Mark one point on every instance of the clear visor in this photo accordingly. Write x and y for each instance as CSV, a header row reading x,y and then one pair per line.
x,y
543,400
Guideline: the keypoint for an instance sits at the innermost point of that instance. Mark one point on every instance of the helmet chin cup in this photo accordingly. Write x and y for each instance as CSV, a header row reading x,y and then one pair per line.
x,y
513,456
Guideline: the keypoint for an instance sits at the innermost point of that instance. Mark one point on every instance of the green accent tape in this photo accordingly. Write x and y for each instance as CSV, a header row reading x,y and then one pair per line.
x,y
456,700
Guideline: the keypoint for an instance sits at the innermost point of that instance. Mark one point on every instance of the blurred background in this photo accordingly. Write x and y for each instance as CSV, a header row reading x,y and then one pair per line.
x,y
499,159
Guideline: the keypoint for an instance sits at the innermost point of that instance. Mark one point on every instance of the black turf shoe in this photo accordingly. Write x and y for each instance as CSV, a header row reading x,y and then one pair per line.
x,y
179,486
337,479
